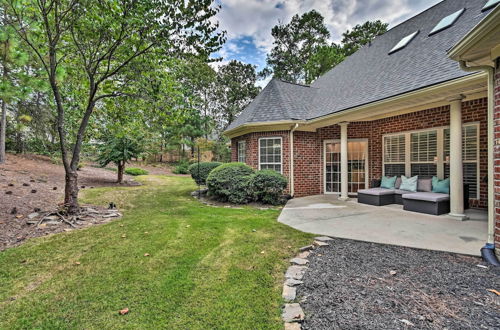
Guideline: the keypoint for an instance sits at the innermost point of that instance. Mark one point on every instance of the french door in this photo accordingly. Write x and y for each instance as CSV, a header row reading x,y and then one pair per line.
x,y
357,155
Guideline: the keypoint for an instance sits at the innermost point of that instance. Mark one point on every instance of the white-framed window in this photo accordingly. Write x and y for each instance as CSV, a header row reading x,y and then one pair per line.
x,y
423,151
470,156
394,155
427,152
270,154
242,151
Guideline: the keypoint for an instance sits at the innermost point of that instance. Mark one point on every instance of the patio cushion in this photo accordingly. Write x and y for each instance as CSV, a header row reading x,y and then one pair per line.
x,y
388,182
427,196
424,184
403,192
376,191
440,186
397,184
409,184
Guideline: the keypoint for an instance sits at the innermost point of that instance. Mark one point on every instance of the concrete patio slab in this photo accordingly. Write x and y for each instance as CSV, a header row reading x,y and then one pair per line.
x,y
326,215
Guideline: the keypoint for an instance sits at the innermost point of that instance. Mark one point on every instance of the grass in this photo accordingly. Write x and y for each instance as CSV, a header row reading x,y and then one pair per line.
x,y
205,268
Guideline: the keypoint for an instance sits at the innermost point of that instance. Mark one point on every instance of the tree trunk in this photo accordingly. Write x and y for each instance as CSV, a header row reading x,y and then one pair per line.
x,y
3,119
3,128
121,168
71,192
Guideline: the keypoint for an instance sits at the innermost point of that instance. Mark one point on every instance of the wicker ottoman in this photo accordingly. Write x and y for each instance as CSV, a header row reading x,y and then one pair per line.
x,y
376,196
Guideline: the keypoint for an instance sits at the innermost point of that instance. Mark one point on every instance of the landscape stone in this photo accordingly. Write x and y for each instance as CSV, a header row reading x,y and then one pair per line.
x,y
53,222
295,272
293,282
304,254
306,248
292,326
323,238
318,243
299,261
292,313
33,215
289,293
110,215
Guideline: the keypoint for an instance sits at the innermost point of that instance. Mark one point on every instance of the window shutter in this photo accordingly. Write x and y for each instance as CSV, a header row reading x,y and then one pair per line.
x,y
423,146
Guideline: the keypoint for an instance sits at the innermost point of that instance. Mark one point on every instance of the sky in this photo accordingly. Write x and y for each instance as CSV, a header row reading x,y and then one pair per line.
x,y
248,23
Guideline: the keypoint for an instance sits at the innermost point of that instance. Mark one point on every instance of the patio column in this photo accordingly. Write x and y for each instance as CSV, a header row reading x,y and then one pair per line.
x,y
344,168
456,166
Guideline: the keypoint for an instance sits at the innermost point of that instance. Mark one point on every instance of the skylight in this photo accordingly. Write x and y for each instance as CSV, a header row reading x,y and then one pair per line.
x,y
447,21
491,4
403,42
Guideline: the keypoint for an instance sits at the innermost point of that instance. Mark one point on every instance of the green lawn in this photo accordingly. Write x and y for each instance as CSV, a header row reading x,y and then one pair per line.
x,y
205,268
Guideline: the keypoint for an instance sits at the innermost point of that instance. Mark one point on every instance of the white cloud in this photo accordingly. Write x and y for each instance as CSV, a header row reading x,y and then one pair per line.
x,y
255,18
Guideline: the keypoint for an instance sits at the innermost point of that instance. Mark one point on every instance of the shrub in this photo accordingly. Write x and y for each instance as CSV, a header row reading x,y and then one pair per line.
x,y
136,171
200,172
182,167
231,183
267,186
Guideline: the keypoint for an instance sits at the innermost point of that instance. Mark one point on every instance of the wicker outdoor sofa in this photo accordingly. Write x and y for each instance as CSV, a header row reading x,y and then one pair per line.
x,y
422,201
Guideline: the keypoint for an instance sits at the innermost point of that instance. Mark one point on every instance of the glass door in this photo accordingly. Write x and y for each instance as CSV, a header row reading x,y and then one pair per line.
x,y
357,154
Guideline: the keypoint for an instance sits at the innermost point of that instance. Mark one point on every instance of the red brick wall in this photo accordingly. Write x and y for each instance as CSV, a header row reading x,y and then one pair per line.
x,y
308,146
307,164
252,149
497,157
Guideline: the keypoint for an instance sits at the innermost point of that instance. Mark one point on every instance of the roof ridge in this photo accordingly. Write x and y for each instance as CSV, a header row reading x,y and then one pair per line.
x,y
292,83
258,98
280,93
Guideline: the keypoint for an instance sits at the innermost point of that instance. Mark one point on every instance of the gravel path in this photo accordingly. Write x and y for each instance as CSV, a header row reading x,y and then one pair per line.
x,y
358,285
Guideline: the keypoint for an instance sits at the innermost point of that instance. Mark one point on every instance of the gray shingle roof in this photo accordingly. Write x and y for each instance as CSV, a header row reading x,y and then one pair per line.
x,y
371,74
279,100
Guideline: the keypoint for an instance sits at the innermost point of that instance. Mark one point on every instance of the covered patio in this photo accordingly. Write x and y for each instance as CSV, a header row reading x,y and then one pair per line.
x,y
327,215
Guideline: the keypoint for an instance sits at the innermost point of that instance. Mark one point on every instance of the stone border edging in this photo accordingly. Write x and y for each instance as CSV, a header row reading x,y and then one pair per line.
x,y
292,312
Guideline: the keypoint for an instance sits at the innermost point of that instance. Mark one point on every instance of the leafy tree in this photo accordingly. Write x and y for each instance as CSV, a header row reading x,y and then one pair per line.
x,y
294,43
95,44
361,35
235,89
17,78
324,59
198,80
118,149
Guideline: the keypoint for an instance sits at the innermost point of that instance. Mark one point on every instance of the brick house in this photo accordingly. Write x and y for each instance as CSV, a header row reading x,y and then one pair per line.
x,y
418,100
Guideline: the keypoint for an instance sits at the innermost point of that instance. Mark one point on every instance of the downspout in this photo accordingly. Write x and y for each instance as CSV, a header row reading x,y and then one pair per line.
x,y
292,181
490,246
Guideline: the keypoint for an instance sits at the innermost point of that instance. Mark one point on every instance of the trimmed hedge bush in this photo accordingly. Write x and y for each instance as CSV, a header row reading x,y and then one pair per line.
x,y
182,167
231,183
136,171
267,186
200,172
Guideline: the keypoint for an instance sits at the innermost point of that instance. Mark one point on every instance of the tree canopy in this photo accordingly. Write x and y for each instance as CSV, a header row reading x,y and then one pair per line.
x,y
88,50
302,51
294,43
361,35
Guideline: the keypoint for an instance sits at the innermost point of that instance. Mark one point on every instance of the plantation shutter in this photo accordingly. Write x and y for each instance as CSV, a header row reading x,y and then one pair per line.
x,y
470,145
394,155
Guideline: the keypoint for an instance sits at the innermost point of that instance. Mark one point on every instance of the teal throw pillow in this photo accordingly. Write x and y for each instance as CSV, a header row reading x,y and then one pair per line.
x,y
388,182
440,186
409,184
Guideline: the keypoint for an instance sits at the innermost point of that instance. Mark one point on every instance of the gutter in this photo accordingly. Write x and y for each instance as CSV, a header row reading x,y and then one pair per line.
x,y
292,181
491,103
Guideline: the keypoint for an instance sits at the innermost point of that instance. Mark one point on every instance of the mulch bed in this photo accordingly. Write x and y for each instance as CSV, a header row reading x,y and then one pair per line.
x,y
359,285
